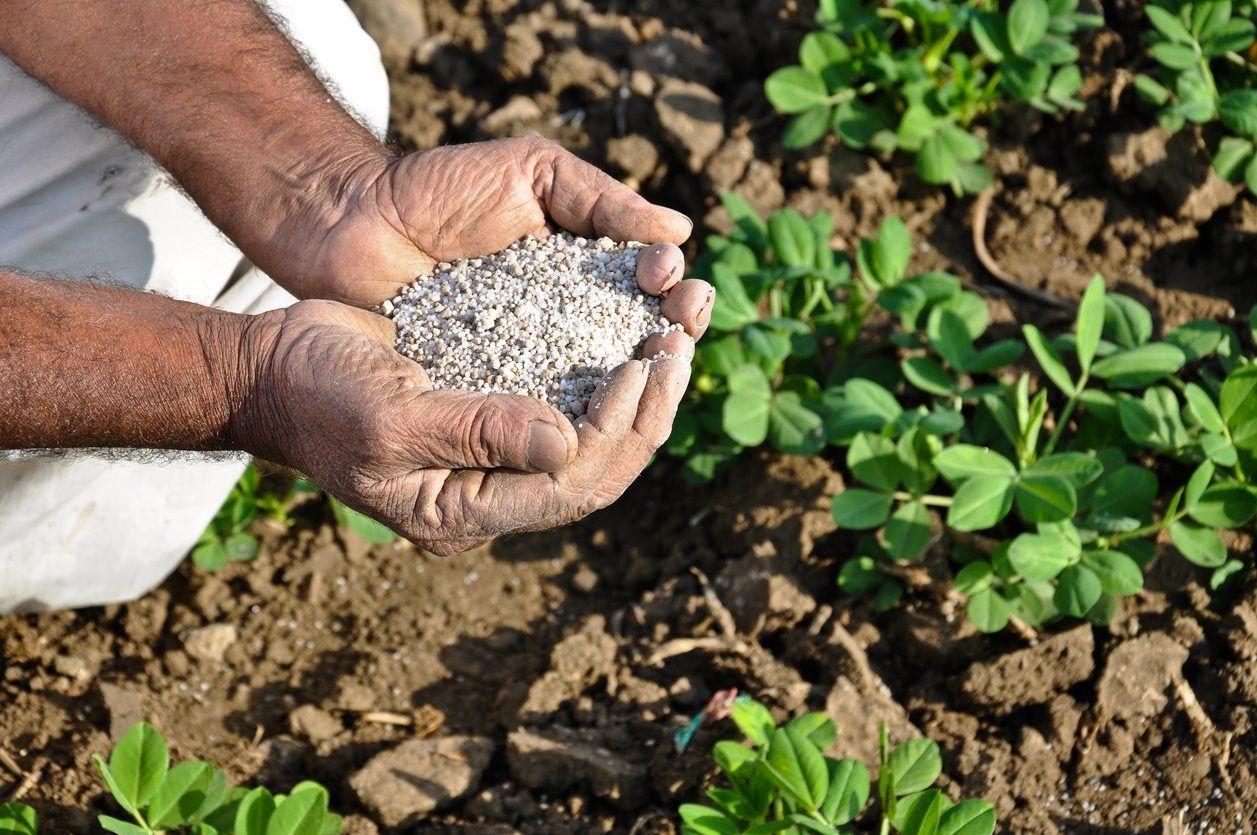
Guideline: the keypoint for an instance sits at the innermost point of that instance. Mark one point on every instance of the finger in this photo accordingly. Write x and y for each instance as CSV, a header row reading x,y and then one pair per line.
x,y
690,304
659,267
465,430
672,343
614,403
583,199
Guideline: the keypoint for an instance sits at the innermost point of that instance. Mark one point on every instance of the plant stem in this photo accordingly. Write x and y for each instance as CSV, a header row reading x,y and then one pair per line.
x,y
1066,413
934,501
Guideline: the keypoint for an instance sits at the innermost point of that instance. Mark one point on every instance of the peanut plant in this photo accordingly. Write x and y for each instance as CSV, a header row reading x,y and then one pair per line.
x,y
1205,74
918,75
782,781
788,311
18,819
1051,500
194,797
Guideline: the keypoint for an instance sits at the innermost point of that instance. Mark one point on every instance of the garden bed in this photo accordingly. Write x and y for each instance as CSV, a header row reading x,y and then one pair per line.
x,y
549,672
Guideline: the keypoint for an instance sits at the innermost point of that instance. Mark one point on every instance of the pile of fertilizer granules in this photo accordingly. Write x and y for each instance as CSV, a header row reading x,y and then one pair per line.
x,y
546,317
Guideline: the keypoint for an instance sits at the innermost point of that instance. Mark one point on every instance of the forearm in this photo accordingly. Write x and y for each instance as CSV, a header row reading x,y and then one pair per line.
x,y
84,365
214,92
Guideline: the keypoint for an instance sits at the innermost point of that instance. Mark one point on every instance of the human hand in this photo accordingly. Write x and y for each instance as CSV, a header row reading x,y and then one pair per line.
x,y
446,469
397,218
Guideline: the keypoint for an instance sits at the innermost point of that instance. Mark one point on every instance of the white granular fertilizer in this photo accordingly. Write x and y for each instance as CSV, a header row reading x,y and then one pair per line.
x,y
546,317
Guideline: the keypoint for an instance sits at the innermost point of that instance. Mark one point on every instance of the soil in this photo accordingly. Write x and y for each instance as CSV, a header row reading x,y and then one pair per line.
x,y
545,675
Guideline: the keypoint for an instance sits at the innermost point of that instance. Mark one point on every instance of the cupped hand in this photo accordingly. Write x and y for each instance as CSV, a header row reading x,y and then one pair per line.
x,y
396,218
446,469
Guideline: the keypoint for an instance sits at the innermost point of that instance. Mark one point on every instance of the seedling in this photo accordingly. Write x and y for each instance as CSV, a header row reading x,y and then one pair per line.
x,y
227,537
18,819
1046,499
918,75
1205,75
194,798
788,311
782,780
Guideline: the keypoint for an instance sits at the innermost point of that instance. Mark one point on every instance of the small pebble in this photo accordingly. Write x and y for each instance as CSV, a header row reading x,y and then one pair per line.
x,y
546,317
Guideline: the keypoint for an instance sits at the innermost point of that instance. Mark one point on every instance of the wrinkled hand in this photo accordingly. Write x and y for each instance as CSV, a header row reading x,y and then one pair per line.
x,y
396,218
446,469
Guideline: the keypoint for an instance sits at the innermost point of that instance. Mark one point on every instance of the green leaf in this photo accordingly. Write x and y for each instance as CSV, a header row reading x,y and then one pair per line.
x,y
926,374
1227,572
981,502
1077,590
819,50
794,428
120,827
874,460
792,238
1232,157
1126,321
968,817
1219,450
1079,468
908,531
744,415
1027,24
887,596
703,820
19,819
1169,24
795,762
1225,505
996,356
1041,556
890,252
1090,322
241,546
988,610
139,763
1197,339
861,510
1234,36
919,814
849,787
1151,90
807,128
817,727
1118,574
255,812
753,720
795,89
1198,544
1173,55
914,766
950,337
963,461
1137,367
180,795
300,813
1201,407
857,123
860,576
936,162
733,308
211,555
1128,491
1238,406
364,526
1238,111
1045,498
1049,360
765,341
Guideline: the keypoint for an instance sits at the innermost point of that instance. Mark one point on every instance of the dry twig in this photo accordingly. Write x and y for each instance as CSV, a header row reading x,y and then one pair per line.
x,y
981,209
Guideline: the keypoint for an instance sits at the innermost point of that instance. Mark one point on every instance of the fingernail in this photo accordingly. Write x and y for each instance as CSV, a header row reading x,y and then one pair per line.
x,y
547,448
704,315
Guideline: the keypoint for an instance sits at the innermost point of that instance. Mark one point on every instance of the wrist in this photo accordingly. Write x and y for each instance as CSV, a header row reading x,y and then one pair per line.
x,y
243,348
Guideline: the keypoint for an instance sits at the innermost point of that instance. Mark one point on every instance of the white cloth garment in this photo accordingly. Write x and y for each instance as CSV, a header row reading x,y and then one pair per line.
x,y
77,201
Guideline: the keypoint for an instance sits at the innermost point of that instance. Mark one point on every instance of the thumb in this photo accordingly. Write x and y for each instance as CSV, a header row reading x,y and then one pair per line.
x,y
467,430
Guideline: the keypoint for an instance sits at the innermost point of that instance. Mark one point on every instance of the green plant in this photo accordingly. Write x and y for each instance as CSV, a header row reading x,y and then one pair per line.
x,y
783,781
787,315
1206,74
18,819
226,538
194,797
916,75
1047,499
364,526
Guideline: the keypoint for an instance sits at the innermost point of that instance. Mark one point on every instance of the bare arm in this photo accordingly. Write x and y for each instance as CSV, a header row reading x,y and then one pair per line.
x,y
319,387
215,93
92,366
